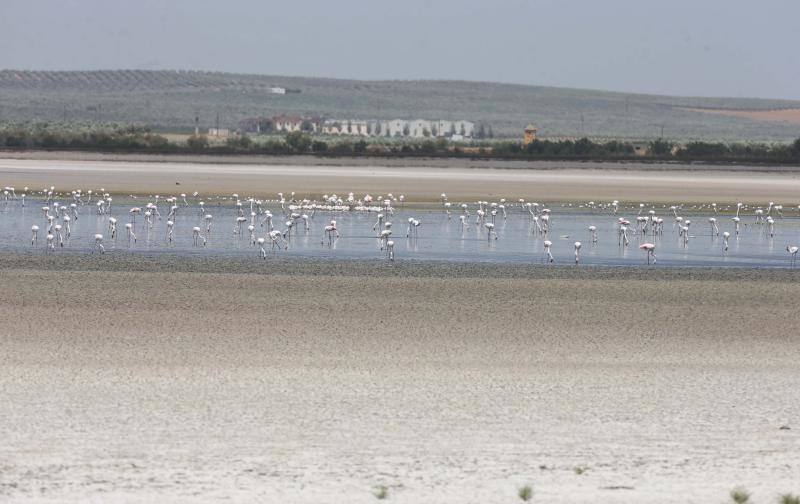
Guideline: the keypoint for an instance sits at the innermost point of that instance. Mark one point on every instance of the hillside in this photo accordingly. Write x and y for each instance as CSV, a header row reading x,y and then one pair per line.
x,y
169,100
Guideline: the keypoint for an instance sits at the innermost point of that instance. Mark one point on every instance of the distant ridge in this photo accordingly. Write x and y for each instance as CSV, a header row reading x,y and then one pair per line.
x,y
167,99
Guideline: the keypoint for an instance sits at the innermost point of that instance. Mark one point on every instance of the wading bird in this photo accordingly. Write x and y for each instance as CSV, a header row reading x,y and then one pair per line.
x,y
650,248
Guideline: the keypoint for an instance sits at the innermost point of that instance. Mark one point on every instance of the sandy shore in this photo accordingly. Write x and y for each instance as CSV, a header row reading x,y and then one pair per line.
x,y
418,180
313,381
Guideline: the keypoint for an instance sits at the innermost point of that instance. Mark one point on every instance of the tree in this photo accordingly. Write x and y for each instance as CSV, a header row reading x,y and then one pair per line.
x,y
796,149
360,147
434,129
319,146
197,142
583,146
660,148
490,133
462,131
298,141
426,133
406,131
306,126
377,129
481,132
239,142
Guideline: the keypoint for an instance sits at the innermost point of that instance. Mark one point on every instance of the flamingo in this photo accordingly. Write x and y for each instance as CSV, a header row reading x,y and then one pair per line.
x,y
330,232
390,250
98,244
57,228
196,236
547,245
112,227
34,234
792,249
276,238
725,236
490,231
260,242
413,225
650,248
133,213
714,228
384,238
379,223
130,233
577,250
623,234
593,231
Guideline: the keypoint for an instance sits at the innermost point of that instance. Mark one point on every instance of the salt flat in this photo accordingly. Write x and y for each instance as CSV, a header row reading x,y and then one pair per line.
x,y
318,382
460,179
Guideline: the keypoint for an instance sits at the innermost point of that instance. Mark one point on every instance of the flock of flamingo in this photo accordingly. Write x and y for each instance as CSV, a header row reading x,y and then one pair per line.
x,y
61,211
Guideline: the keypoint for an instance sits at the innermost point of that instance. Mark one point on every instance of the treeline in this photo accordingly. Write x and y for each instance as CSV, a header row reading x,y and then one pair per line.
x,y
134,138
107,137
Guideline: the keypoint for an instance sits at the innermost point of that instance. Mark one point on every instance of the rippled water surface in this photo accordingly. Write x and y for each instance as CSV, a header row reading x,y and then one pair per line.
x,y
439,237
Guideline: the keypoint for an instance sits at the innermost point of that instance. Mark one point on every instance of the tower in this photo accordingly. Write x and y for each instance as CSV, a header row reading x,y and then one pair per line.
x,y
530,134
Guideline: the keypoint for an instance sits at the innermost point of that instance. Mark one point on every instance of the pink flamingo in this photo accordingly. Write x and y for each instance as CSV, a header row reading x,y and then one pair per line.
x,y
650,248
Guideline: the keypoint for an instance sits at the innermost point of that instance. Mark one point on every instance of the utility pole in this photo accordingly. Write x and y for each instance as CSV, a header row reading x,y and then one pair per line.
x,y
217,132
581,123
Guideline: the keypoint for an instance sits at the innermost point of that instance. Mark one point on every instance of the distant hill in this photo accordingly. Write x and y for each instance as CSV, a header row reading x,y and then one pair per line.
x,y
169,100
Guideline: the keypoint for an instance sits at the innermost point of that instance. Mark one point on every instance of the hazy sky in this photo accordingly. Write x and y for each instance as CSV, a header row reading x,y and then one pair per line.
x,y
685,47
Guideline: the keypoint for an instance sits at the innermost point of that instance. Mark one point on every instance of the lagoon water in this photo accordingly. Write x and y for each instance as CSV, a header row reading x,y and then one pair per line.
x,y
439,239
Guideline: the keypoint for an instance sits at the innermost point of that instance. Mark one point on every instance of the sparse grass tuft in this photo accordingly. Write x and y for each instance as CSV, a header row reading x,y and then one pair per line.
x,y
740,496
789,499
579,470
381,492
525,493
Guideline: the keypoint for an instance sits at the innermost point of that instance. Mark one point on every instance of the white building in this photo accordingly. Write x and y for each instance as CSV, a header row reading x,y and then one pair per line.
x,y
277,90
418,128
218,132
287,124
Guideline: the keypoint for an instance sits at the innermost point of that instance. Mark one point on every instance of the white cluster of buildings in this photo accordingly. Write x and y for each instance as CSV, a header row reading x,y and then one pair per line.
x,y
418,128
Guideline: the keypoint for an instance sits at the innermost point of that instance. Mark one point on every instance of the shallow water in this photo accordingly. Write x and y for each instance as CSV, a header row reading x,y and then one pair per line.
x,y
439,238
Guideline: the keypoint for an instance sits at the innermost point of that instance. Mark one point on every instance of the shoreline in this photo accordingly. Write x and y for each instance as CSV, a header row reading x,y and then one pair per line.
x,y
136,262
642,163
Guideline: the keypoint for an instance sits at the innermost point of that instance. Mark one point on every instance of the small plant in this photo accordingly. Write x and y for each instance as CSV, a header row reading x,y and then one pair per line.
x,y
789,499
740,495
381,492
525,493
579,470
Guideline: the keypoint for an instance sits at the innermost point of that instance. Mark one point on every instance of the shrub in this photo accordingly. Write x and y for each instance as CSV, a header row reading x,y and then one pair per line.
x,y
740,495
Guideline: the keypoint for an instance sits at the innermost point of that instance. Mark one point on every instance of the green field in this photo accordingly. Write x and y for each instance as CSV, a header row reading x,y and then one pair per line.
x,y
169,101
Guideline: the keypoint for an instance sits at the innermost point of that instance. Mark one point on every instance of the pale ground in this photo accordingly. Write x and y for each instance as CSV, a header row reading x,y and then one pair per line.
x,y
317,387
791,116
551,182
